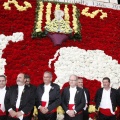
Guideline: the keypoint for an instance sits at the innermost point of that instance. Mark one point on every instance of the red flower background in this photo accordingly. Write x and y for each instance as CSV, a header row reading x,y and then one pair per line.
x,y
32,55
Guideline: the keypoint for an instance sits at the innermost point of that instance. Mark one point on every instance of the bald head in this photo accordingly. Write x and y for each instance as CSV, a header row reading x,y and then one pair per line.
x,y
73,80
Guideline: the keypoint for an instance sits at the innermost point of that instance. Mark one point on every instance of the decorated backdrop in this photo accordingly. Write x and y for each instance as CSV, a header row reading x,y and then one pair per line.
x,y
95,56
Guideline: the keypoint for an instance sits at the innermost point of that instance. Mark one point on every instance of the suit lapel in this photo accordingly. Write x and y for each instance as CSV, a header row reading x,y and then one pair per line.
x,y
42,89
52,88
16,94
76,94
24,94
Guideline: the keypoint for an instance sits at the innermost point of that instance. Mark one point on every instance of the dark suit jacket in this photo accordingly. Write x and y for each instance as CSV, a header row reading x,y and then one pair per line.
x,y
87,94
32,87
27,99
54,96
113,96
118,96
79,99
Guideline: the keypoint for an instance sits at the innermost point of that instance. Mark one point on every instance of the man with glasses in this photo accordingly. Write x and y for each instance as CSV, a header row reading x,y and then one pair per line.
x,y
47,98
3,89
73,100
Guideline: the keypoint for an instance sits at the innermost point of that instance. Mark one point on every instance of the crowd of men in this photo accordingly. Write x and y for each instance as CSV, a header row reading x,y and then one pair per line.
x,y
17,102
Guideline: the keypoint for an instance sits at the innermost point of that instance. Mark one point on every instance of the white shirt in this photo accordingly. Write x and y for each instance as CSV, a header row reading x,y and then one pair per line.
x,y
106,101
72,96
45,96
2,97
20,90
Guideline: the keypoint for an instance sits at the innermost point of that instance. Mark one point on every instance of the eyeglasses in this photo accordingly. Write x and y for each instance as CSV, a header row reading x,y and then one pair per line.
x,y
72,80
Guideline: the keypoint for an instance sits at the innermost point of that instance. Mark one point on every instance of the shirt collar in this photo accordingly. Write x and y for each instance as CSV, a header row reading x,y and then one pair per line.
x,y
21,87
73,88
49,85
107,90
3,88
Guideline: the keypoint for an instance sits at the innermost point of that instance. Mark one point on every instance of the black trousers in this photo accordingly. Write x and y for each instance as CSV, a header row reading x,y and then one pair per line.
x,y
25,118
85,115
49,116
104,117
77,117
3,117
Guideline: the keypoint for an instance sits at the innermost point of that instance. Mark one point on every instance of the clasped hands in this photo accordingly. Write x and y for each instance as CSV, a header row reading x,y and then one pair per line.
x,y
44,110
71,113
15,114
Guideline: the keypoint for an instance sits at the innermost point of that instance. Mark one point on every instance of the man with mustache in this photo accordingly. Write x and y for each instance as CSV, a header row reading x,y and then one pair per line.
x,y
19,100
3,89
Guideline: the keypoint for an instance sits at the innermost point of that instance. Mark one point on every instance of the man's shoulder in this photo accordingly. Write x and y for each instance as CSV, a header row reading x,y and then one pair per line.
x,y
99,90
13,86
113,89
80,89
33,86
84,88
54,84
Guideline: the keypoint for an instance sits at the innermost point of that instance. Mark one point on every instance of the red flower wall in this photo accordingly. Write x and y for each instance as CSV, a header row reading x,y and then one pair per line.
x,y
32,55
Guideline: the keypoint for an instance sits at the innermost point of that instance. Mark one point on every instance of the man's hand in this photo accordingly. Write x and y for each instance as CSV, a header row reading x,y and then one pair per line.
x,y
43,110
19,114
12,113
71,113
46,110
96,114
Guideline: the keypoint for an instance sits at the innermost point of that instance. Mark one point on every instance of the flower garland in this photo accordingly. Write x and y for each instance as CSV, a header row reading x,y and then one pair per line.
x,y
66,16
40,16
94,13
76,27
57,7
48,13
19,8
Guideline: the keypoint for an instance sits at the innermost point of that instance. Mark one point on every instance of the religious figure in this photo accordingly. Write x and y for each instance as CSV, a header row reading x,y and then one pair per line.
x,y
58,24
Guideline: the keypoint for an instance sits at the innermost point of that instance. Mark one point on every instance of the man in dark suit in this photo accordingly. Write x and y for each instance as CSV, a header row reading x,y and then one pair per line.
x,y
87,99
47,98
19,100
118,93
73,100
28,83
106,101
118,103
3,89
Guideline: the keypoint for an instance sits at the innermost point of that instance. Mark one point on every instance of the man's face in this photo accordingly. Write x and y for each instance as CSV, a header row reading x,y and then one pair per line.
x,y
27,81
72,81
47,78
20,79
106,84
80,83
2,82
